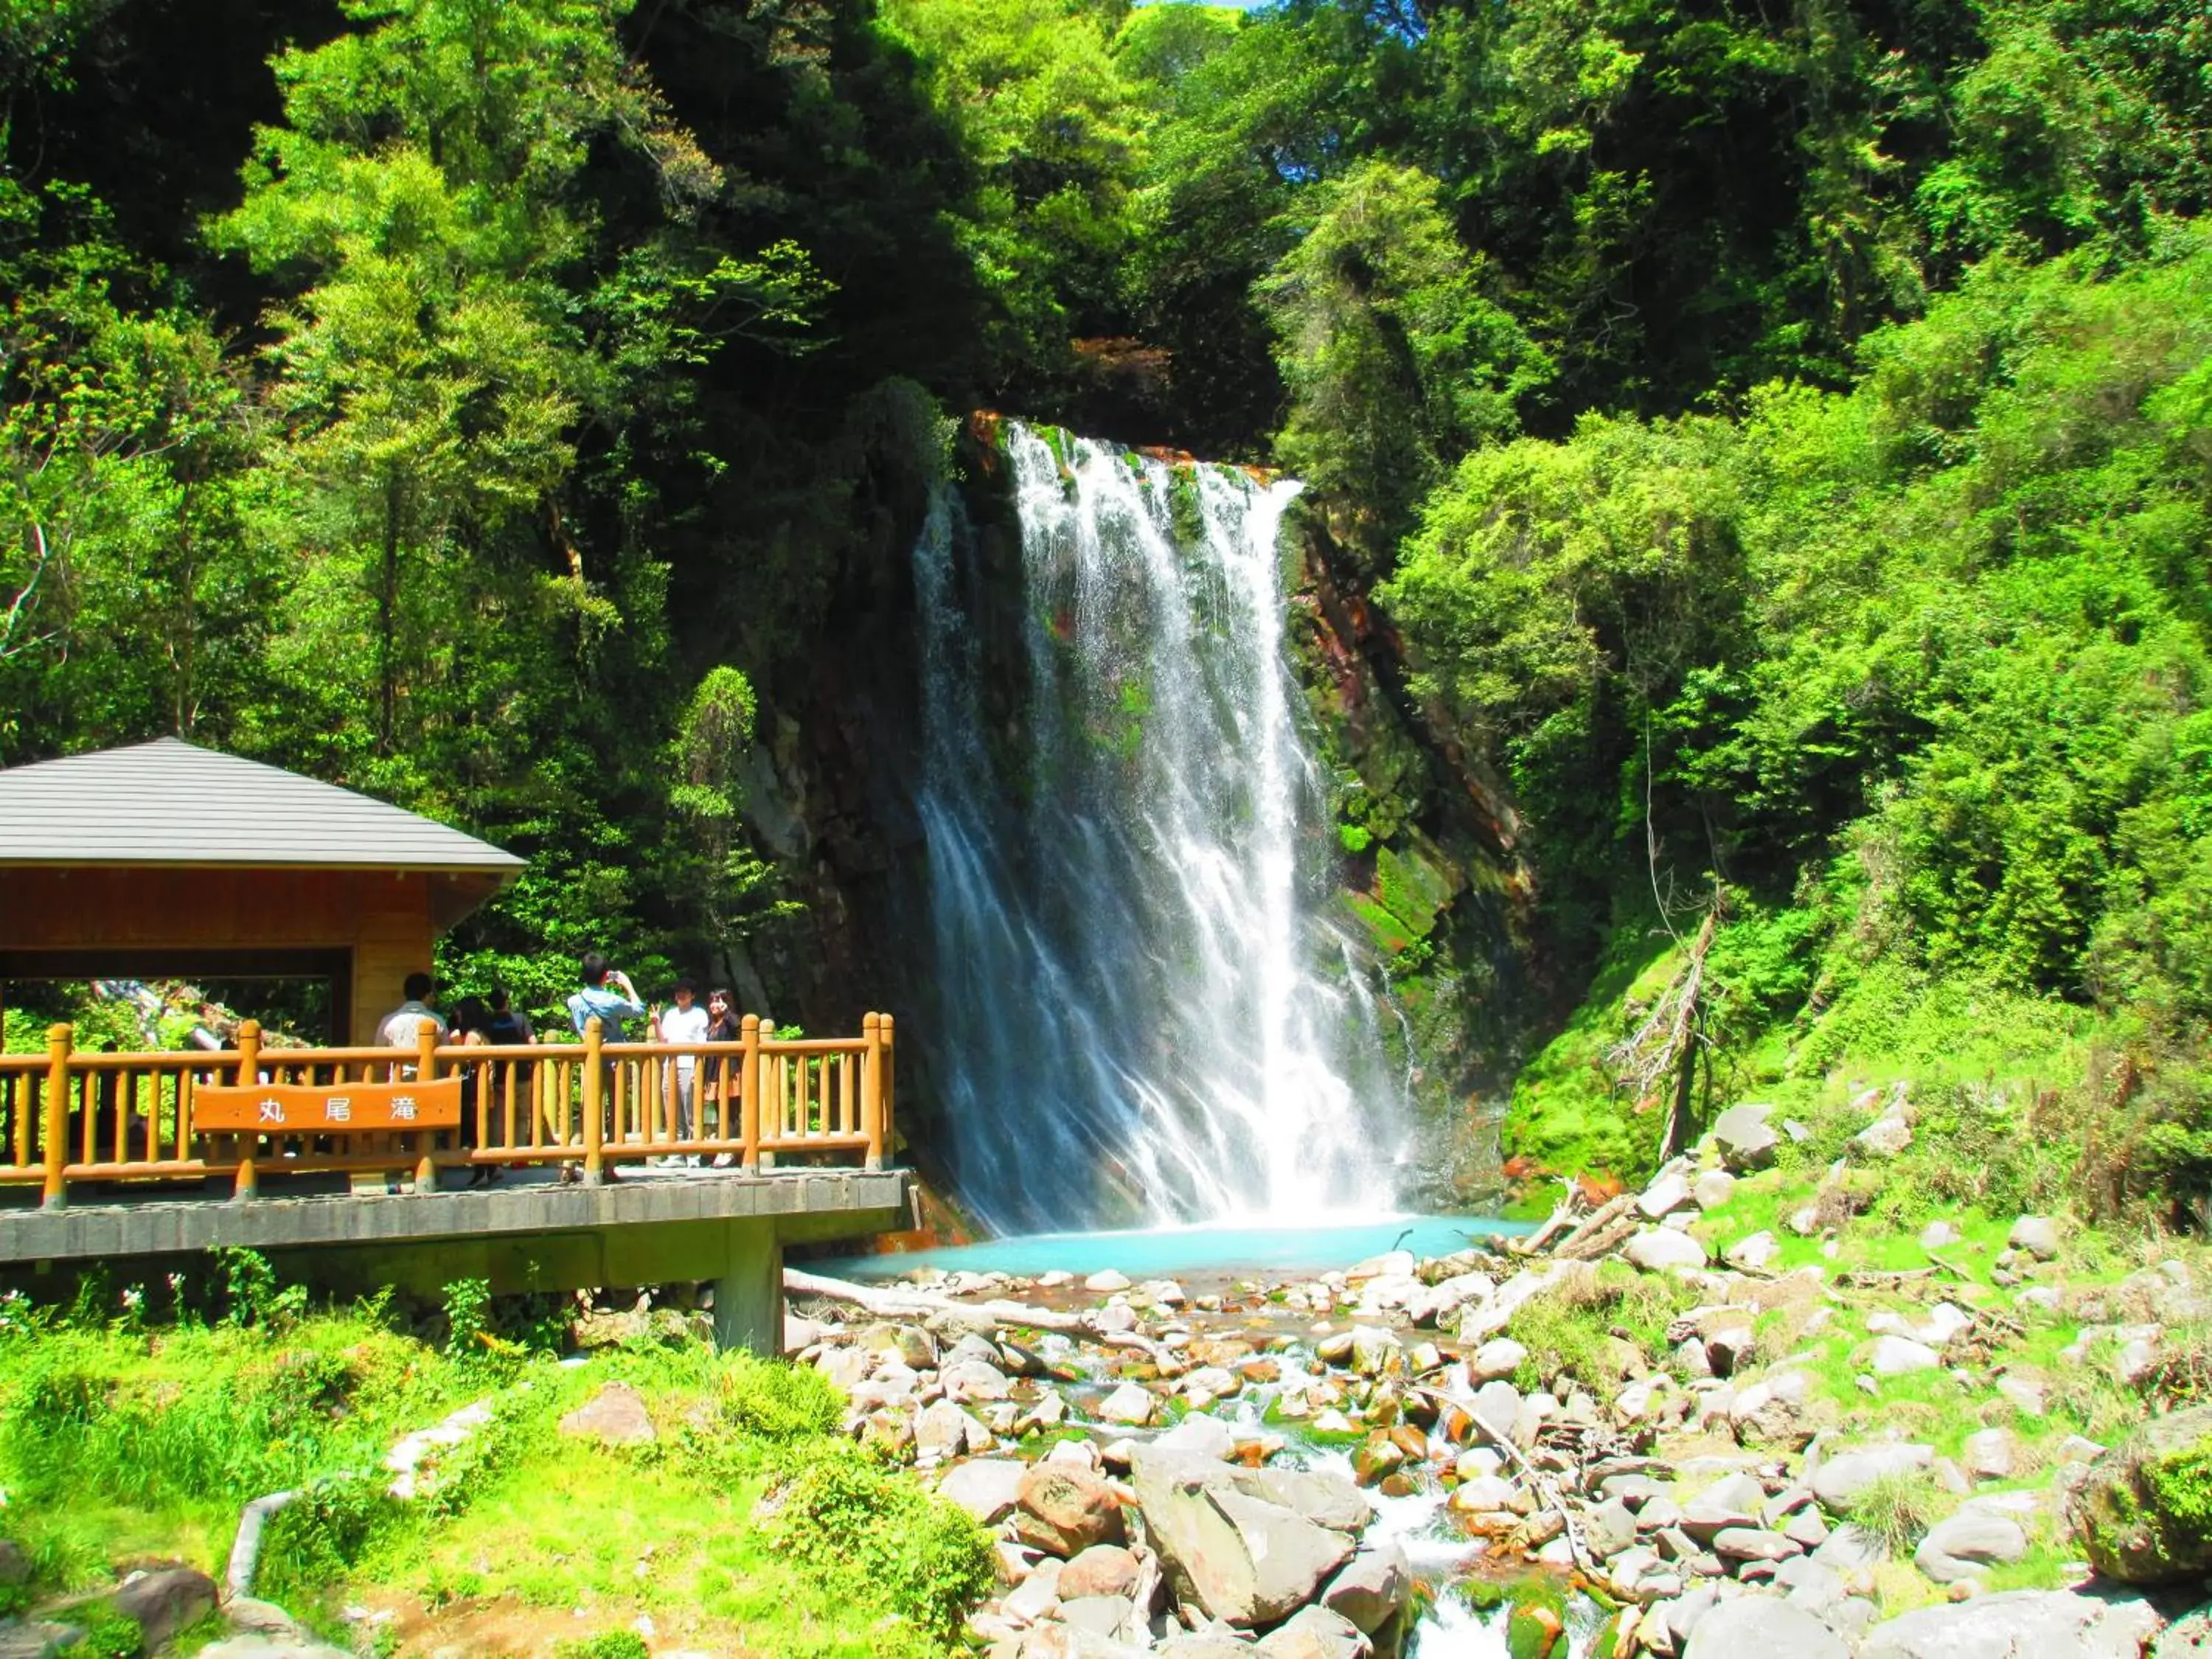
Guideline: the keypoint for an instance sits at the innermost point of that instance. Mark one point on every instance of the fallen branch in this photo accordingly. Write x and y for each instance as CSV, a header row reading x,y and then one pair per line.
x,y
1563,1215
1612,1210
911,1304
1542,1484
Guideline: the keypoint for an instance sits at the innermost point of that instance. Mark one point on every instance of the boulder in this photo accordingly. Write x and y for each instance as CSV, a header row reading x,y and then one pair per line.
x,y
1242,1558
1064,1510
1762,1624
1668,1193
164,1601
2020,1625
1842,1478
615,1416
1755,1544
1207,1437
1496,1359
1131,1404
1713,1189
1101,1569
1373,1587
2141,1512
1106,1281
2188,1637
2036,1234
974,1380
1373,1349
988,1488
1988,1456
942,1429
1966,1545
255,1644
1657,1250
1746,1140
1316,1633
1497,1404
1898,1356
1754,1254
1886,1137
1939,1235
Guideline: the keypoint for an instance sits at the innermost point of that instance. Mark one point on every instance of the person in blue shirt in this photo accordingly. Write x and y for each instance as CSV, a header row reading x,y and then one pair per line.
x,y
607,994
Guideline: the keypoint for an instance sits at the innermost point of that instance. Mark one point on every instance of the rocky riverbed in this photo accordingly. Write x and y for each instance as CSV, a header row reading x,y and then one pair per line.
x,y
1376,1462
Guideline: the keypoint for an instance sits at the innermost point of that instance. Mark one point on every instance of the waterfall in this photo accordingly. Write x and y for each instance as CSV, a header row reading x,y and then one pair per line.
x,y
1141,1013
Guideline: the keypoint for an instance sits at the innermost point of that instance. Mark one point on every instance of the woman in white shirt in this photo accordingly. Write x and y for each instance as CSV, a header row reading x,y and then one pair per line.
x,y
684,1022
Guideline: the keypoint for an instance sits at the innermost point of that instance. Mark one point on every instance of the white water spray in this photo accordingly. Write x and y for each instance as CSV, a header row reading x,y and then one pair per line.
x,y
1132,1021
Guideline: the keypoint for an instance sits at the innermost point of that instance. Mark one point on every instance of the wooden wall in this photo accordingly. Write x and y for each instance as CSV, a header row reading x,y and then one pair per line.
x,y
383,917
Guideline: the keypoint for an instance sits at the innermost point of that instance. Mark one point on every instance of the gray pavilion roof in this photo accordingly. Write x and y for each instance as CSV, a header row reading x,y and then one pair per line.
x,y
170,802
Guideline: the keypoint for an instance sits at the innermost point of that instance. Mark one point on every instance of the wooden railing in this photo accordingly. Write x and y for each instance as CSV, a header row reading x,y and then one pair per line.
x,y
68,1116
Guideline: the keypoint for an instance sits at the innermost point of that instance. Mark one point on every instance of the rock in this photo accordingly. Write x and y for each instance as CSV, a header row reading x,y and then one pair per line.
x,y
1886,1137
1668,1193
1732,1501
1965,1545
987,1487
256,1644
1842,1478
2025,1397
15,1566
2020,1625
1101,1569
1038,1594
1482,1494
1496,1359
1771,1411
1376,1456
2188,1637
1373,1587
1754,1253
1242,1557
1497,1404
1804,1220
1728,1352
1064,1510
1432,1303
1316,1633
1657,1250
1327,1500
1897,1356
1609,1528
1762,1626
1374,1350
1207,1437
615,1416
2140,1513
942,1429
1131,1404
1939,1235
1746,1140
164,1601
914,1347
971,1381
1106,1281
1713,1189
1989,1455
1850,1549
2036,1234
1755,1544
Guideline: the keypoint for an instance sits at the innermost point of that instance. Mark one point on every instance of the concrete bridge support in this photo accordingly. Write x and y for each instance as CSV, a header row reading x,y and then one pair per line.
x,y
723,1228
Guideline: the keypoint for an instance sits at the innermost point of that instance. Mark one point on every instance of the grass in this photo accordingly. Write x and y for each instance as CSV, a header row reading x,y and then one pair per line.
x,y
1896,1508
747,1525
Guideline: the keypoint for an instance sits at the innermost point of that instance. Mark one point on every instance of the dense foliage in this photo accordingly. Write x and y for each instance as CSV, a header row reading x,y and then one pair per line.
x,y
1777,434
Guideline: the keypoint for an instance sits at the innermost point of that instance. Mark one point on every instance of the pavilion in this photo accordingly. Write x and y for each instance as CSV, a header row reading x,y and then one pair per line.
x,y
168,860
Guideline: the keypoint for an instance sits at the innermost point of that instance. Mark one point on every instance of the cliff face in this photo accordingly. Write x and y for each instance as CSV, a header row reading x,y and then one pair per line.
x,y
1430,890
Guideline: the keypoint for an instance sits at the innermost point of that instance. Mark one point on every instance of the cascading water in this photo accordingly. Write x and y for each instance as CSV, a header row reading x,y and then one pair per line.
x,y
1132,1021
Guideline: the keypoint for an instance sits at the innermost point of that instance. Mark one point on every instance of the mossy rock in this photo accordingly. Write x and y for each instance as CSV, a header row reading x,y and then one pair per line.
x,y
2144,1514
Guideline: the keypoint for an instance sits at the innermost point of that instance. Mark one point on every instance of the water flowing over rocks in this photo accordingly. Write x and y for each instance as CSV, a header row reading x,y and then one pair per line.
x,y
1296,1465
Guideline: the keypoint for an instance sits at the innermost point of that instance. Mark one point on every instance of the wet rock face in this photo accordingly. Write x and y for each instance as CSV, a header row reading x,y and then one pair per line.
x,y
1247,1560
2144,1513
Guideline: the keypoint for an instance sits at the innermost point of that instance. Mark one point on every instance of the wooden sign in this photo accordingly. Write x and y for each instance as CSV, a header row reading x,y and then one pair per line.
x,y
284,1109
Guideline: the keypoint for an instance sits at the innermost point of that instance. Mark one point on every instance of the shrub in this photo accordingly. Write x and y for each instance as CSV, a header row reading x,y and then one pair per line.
x,y
108,1634
313,1541
1894,1509
776,1401
861,1529
608,1644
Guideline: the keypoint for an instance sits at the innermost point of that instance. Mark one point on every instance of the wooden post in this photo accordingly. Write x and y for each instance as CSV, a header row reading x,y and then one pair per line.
x,y
871,1099
749,1071
594,1098
249,1053
57,1104
886,1096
